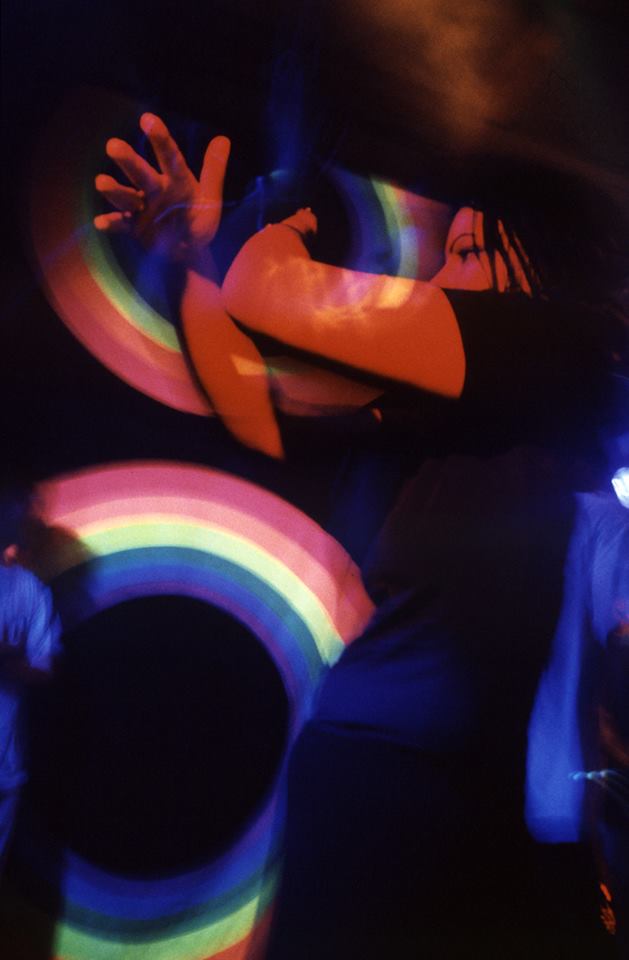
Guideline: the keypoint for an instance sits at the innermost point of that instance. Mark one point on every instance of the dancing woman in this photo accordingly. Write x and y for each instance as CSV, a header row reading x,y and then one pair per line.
x,y
405,788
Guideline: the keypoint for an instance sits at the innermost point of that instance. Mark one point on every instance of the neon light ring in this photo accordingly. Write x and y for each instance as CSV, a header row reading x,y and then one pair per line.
x,y
159,528
90,292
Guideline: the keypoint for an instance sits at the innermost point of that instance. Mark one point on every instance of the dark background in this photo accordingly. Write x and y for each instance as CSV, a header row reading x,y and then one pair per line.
x,y
288,85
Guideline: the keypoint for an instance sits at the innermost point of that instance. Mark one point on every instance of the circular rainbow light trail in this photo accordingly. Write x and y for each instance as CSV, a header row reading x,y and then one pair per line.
x,y
160,528
83,280
90,292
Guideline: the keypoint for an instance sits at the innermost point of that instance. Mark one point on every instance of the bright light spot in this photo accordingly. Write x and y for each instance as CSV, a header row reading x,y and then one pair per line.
x,y
620,483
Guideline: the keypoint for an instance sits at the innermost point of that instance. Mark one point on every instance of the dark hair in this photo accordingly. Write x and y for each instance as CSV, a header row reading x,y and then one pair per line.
x,y
572,241
574,234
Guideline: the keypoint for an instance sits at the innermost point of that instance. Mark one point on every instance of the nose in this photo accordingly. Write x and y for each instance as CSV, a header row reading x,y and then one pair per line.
x,y
462,275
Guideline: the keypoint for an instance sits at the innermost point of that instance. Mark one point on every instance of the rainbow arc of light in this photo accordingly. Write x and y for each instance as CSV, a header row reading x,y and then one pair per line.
x,y
155,528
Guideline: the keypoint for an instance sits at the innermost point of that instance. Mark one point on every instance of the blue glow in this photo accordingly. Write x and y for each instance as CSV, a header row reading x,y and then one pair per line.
x,y
594,611
620,483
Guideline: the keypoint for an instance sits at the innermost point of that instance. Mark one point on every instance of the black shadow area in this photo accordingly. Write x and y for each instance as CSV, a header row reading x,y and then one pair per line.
x,y
173,727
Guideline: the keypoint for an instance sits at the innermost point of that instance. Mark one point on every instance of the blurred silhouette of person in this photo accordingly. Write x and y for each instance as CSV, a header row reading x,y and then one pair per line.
x,y
29,632
578,757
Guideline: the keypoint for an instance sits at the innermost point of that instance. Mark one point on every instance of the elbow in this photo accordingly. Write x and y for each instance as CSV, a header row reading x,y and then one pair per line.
x,y
236,291
245,287
267,273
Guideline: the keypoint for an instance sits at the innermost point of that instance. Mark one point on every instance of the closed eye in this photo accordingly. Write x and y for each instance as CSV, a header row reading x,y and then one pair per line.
x,y
466,252
464,246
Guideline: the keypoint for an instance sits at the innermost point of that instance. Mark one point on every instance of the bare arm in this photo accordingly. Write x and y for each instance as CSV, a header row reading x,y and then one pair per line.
x,y
393,327
227,362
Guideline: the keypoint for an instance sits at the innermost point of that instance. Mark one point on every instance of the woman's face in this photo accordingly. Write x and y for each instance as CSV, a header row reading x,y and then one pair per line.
x,y
468,265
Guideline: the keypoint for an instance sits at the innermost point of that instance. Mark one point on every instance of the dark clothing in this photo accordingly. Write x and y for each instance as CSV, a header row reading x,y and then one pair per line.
x,y
467,568
406,789
361,814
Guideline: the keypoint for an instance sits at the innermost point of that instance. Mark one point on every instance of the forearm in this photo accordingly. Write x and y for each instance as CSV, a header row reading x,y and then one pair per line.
x,y
229,366
392,327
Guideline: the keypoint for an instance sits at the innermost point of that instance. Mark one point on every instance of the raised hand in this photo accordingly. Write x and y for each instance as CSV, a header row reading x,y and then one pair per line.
x,y
165,206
